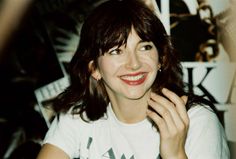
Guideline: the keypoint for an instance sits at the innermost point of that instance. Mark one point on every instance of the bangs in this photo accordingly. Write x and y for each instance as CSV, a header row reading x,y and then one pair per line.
x,y
111,23
114,35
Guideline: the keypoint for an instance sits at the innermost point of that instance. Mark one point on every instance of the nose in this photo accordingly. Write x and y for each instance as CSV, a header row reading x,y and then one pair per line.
x,y
133,62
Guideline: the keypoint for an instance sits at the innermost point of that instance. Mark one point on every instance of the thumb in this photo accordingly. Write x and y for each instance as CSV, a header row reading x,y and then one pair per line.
x,y
184,98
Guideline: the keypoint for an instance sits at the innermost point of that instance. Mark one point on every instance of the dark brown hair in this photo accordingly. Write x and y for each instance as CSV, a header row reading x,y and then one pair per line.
x,y
107,26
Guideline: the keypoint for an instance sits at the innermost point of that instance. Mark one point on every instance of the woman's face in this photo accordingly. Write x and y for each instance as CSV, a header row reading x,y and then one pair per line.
x,y
130,70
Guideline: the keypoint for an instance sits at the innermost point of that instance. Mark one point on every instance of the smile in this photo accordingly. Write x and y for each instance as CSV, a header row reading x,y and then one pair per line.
x,y
134,79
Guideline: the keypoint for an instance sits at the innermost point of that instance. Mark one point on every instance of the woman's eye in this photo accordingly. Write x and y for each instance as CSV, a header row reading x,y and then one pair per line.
x,y
146,47
114,52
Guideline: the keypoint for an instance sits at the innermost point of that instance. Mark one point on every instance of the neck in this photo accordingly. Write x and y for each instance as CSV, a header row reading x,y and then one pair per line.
x,y
129,110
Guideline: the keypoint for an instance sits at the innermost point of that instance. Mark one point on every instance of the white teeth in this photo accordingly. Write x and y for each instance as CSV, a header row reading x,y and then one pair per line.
x,y
132,78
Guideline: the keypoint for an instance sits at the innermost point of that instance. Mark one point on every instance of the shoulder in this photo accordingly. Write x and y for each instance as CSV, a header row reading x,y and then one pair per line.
x,y
206,137
201,112
67,120
68,131
72,124
204,118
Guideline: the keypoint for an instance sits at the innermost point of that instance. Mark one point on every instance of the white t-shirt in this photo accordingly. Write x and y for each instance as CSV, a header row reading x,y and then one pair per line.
x,y
108,138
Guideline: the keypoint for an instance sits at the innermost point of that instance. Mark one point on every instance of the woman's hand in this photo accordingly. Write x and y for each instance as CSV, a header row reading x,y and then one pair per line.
x,y
170,116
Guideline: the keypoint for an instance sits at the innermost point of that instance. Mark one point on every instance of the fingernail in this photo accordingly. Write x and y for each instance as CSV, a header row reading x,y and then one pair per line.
x,y
164,90
148,111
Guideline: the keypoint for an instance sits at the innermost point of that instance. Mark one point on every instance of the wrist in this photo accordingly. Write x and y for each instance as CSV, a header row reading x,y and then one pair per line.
x,y
180,156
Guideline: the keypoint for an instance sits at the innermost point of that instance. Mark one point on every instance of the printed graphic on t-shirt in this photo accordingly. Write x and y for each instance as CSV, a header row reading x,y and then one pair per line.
x,y
109,154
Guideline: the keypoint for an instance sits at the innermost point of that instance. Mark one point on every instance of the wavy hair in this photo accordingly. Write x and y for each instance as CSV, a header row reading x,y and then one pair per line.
x,y
107,26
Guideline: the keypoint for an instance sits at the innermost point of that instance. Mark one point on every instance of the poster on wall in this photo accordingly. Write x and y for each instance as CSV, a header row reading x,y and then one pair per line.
x,y
203,33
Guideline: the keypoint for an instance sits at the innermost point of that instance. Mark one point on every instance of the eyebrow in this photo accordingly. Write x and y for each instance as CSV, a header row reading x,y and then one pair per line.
x,y
141,41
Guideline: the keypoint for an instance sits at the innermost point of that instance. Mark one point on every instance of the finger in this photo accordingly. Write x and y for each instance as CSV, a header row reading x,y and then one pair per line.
x,y
164,113
173,97
179,102
183,111
180,124
159,121
184,98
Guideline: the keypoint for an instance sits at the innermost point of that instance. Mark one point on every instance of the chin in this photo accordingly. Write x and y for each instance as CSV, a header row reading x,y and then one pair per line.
x,y
136,96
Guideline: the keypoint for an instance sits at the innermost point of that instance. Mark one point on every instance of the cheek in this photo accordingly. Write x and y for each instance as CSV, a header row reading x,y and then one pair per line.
x,y
153,60
155,56
107,66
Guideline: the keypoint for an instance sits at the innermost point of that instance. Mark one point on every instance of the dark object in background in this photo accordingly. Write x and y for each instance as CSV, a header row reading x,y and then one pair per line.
x,y
189,32
28,150
29,62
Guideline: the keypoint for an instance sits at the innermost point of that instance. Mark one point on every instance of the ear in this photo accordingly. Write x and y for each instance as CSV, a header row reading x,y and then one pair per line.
x,y
94,71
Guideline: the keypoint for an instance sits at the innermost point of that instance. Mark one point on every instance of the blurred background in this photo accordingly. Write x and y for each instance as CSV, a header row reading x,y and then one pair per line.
x,y
39,37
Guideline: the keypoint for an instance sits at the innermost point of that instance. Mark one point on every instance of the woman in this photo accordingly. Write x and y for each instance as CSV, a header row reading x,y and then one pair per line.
x,y
127,98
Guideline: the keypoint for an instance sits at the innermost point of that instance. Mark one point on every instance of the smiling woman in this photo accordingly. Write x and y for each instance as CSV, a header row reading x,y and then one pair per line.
x,y
132,69
127,97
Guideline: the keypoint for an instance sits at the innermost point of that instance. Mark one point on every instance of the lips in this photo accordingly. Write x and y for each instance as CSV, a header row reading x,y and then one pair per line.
x,y
134,79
